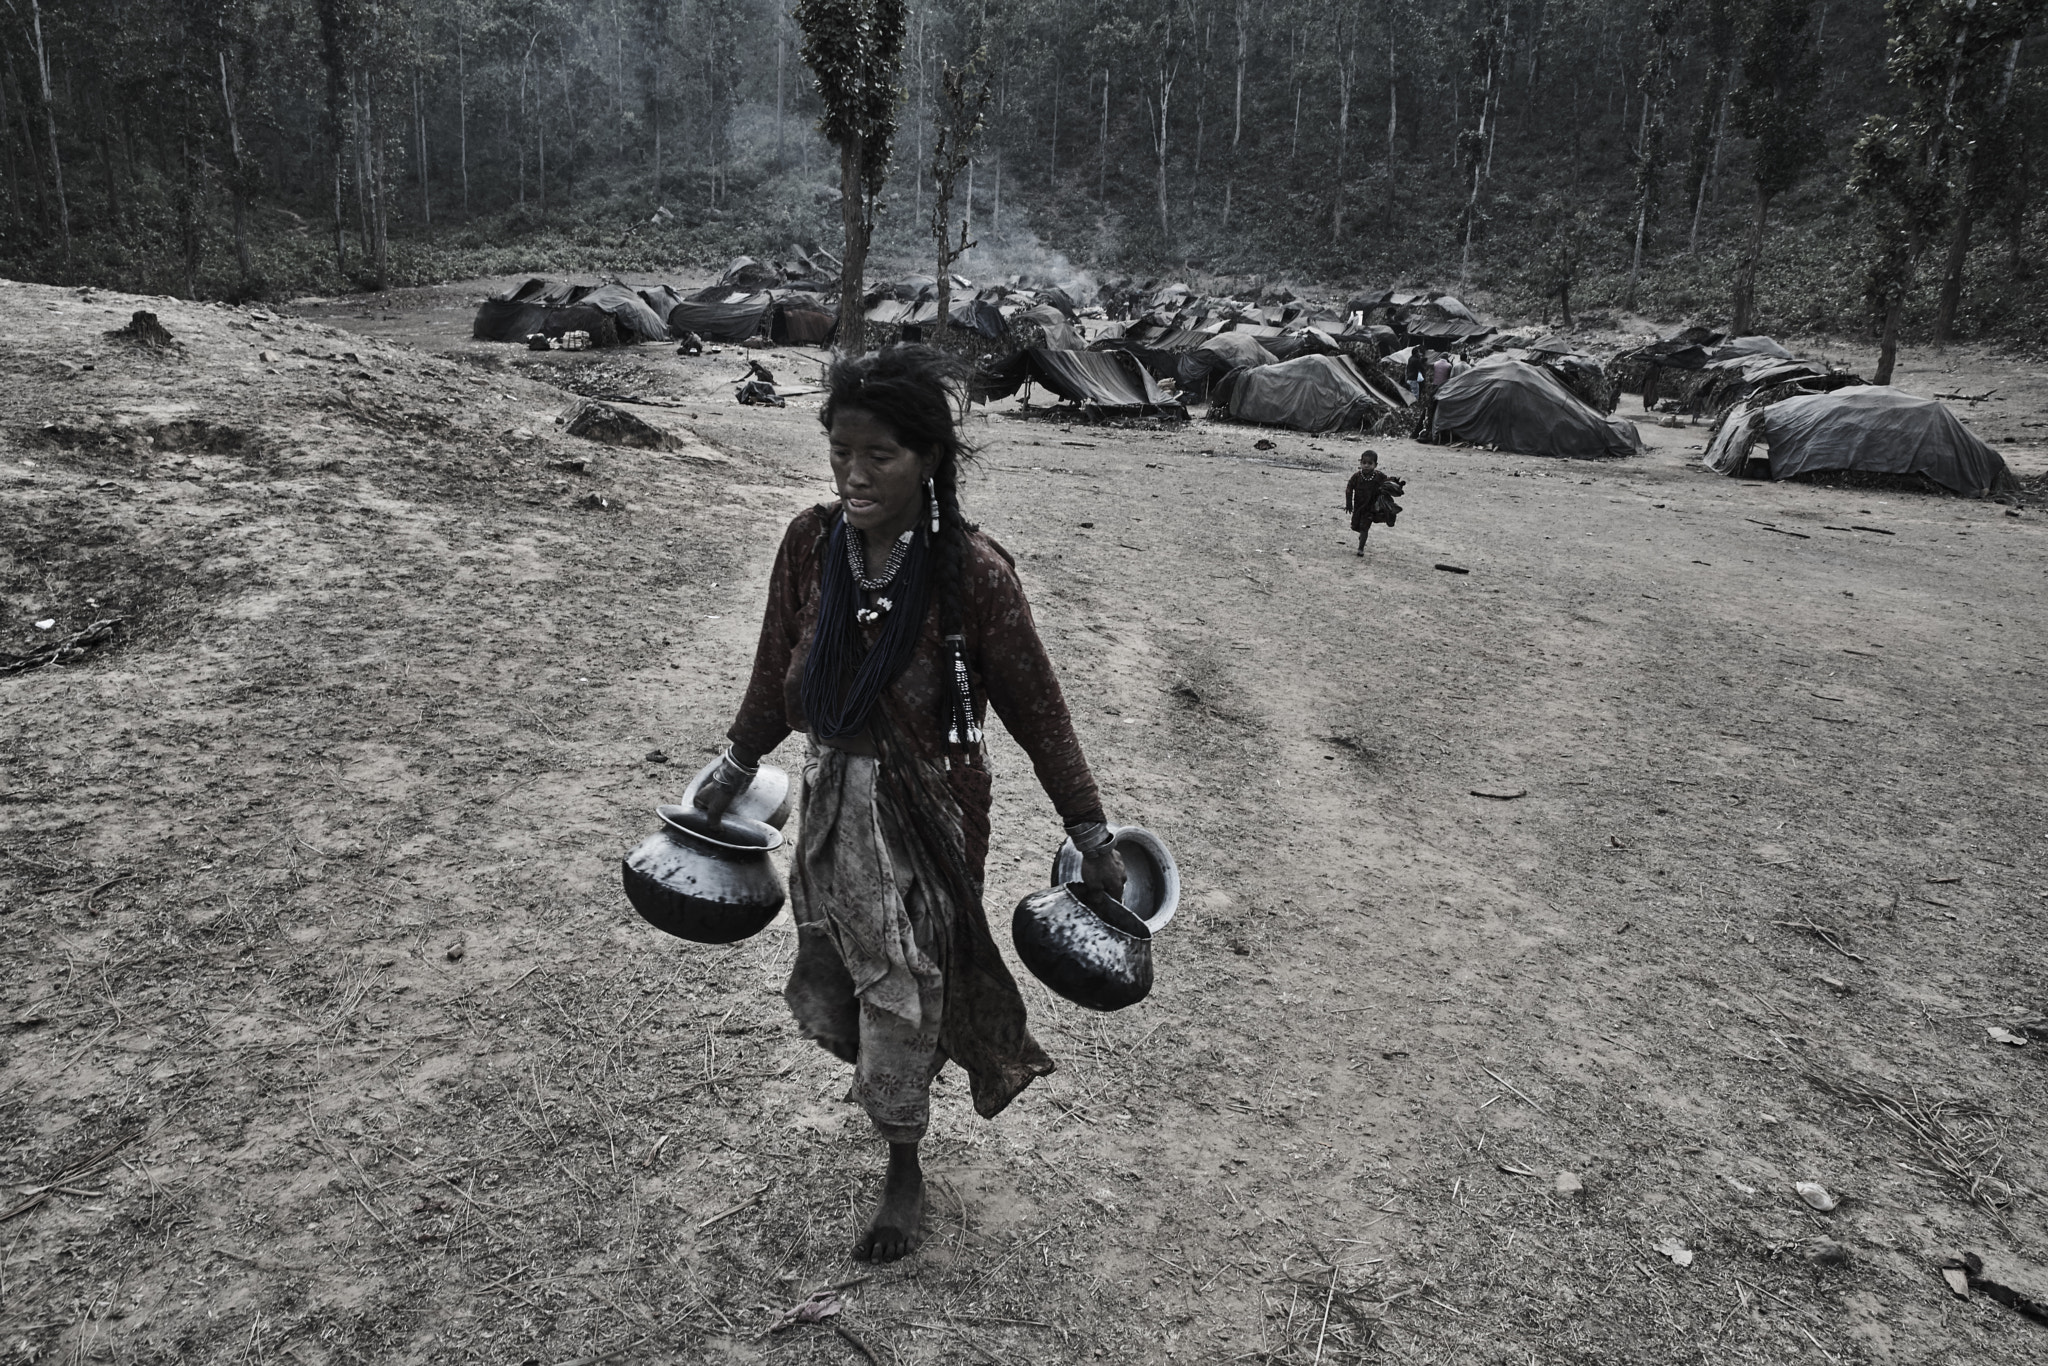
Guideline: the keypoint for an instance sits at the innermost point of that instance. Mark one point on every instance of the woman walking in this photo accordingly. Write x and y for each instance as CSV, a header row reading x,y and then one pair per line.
x,y
892,623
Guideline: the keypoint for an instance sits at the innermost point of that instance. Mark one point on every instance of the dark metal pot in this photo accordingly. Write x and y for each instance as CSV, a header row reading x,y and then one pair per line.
x,y
1151,877
1086,946
712,884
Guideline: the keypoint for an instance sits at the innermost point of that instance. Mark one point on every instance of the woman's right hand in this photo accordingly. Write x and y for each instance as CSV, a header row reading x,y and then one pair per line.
x,y
721,787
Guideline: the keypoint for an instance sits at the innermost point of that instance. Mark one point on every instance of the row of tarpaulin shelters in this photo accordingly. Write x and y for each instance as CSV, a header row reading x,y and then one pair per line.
x,y
1705,374
1002,313
751,299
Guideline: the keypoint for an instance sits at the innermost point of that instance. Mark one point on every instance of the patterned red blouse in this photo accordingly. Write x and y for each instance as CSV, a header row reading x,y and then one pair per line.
x,y
1005,658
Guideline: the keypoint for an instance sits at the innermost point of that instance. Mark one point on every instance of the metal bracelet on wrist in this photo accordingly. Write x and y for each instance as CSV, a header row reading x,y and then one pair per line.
x,y
1090,837
732,770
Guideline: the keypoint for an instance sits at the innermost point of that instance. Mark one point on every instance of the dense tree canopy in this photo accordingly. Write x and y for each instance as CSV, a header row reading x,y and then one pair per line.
x,y
259,146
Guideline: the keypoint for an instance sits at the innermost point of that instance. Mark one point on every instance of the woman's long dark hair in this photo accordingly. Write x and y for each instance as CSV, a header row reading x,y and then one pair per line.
x,y
911,391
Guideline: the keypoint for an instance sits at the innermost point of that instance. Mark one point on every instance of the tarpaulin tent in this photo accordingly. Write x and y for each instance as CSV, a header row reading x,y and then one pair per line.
x,y
1309,394
748,274
636,321
719,314
977,316
1042,325
535,307
1159,354
1520,407
1869,429
1306,341
1196,370
1103,381
514,315
802,320
1748,346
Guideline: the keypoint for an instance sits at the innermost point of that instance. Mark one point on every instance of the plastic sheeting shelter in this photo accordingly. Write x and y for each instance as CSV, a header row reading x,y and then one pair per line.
x,y
1524,408
1196,370
534,307
1308,393
803,320
1103,381
720,314
1870,429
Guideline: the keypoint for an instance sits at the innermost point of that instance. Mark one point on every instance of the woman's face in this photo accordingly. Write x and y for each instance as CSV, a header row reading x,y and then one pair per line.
x,y
880,480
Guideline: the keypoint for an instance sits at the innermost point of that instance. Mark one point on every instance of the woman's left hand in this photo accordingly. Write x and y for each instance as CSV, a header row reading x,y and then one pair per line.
x,y
1103,870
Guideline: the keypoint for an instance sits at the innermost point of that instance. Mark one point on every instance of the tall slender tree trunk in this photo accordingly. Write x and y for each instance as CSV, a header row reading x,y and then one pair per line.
x,y
419,119
1345,70
780,45
462,117
1951,296
380,237
50,123
1743,323
1102,174
852,331
238,188
1393,116
1705,187
329,12
1888,340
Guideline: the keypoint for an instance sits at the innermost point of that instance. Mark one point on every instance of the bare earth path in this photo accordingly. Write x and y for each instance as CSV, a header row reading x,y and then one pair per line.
x,y
329,1037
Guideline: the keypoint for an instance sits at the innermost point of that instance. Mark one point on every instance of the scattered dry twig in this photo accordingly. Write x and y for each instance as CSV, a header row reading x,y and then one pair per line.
x,y
1824,935
1959,1138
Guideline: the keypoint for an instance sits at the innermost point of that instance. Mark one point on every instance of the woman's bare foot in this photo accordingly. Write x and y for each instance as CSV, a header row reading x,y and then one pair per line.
x,y
892,1233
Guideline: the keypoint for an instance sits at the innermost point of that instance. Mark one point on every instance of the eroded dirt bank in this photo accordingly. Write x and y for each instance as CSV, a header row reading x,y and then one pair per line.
x,y
331,1039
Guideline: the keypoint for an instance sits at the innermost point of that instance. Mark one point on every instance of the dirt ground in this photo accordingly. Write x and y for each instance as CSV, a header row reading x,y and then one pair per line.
x,y
330,1037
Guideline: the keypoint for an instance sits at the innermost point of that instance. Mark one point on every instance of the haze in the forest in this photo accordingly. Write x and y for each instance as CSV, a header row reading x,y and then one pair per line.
x,y
1775,163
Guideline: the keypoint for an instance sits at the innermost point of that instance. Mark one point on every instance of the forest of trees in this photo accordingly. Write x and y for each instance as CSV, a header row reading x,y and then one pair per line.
x,y
1791,163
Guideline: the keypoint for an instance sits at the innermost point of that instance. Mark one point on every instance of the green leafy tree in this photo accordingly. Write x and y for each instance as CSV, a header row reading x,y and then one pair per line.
x,y
1774,109
854,49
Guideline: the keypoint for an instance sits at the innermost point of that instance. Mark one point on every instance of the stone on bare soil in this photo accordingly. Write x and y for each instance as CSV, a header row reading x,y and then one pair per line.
x,y
616,427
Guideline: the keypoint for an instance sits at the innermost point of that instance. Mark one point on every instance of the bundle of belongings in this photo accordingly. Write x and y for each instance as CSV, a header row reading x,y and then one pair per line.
x,y
1311,393
1514,406
1864,429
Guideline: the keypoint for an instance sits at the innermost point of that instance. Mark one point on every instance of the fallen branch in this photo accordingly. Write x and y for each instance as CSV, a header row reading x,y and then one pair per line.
x,y
1513,1089
57,652
740,1208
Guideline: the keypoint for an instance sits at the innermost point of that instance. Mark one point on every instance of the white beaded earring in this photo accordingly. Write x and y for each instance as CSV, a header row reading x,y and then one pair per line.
x,y
931,493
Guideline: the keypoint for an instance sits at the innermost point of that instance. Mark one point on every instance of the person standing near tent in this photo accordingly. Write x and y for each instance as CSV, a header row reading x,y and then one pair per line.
x,y
891,624
1418,369
1369,497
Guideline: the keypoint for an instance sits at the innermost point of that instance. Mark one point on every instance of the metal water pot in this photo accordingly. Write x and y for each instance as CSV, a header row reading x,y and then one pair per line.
x,y
1086,946
712,883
